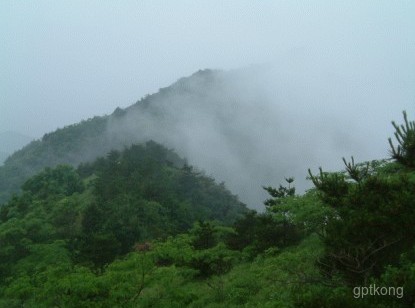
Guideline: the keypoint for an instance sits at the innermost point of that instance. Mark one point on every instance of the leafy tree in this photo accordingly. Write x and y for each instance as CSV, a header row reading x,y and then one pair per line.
x,y
217,260
257,232
204,236
60,180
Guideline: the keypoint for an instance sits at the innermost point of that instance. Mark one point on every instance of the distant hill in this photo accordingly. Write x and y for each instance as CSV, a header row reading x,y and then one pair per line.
x,y
71,145
220,121
223,122
156,117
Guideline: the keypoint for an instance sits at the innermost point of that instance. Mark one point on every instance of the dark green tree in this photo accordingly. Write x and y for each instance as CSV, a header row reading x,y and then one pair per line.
x,y
288,232
374,211
404,153
60,180
204,236
280,193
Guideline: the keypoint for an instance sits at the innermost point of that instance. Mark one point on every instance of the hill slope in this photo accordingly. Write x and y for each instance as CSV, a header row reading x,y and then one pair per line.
x,y
101,209
154,117
222,122
68,240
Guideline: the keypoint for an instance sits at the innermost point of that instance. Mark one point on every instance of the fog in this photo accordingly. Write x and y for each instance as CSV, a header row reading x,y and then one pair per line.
x,y
303,83
254,126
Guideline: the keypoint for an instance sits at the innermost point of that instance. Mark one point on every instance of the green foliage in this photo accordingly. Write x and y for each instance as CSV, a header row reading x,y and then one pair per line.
x,y
280,193
140,194
404,153
371,226
332,186
174,250
62,180
70,145
402,274
257,232
61,233
204,236
217,260
141,228
373,213
273,229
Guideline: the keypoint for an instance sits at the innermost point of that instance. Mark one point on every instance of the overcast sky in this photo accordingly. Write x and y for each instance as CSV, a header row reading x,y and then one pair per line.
x,y
63,61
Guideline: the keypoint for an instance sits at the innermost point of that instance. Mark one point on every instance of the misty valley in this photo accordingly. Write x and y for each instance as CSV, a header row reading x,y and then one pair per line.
x,y
181,200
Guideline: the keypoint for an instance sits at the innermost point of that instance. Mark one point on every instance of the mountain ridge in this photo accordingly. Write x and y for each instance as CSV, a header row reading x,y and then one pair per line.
x,y
223,122
73,144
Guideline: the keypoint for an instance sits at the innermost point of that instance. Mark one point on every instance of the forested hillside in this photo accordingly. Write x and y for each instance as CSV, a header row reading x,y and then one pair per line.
x,y
223,122
141,228
94,214
154,117
89,139
70,145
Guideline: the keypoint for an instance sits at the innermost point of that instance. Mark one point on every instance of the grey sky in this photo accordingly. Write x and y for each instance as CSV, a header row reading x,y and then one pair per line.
x,y
63,61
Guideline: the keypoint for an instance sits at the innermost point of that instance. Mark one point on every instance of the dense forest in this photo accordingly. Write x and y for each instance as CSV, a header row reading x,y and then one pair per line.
x,y
89,139
64,146
142,228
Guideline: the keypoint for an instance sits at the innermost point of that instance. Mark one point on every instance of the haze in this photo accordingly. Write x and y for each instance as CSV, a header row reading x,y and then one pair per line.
x,y
328,76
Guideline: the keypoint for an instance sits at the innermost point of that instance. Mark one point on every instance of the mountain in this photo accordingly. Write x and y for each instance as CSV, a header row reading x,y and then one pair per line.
x,y
223,122
156,117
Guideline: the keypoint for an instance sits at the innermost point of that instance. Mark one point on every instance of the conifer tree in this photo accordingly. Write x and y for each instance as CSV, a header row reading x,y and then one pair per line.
x,y
404,153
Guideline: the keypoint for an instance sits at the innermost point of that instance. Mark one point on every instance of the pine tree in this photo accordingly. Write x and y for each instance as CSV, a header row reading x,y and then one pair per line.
x,y
404,153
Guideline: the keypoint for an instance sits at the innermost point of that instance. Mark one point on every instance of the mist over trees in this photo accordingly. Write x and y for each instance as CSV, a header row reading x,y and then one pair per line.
x,y
207,154
242,122
142,227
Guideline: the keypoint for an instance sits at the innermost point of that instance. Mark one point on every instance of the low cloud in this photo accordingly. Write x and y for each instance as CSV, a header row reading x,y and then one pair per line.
x,y
255,126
